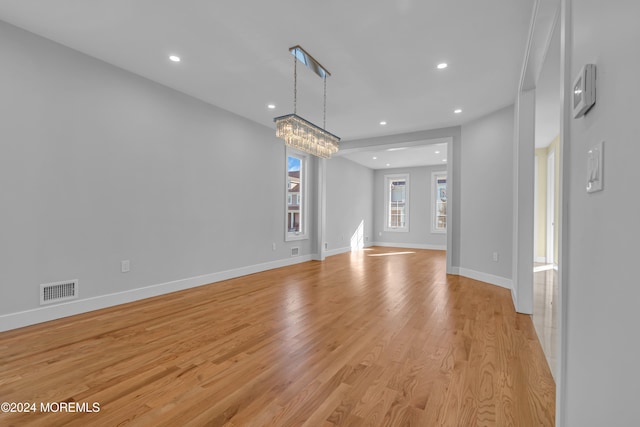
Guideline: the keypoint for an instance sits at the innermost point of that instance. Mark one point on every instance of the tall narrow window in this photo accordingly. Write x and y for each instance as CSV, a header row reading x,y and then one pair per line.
x,y
296,196
396,202
439,202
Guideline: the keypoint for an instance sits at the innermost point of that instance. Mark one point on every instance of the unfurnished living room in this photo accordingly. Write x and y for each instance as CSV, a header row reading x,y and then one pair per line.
x,y
340,213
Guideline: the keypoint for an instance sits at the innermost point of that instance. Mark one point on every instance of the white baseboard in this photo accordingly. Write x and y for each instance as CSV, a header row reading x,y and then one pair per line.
x,y
486,277
337,251
52,312
411,246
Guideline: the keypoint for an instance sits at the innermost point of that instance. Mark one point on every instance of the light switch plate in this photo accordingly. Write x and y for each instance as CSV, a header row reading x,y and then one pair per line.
x,y
595,167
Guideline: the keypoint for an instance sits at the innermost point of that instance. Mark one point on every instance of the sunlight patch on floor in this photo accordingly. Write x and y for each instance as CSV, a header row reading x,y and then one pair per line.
x,y
392,253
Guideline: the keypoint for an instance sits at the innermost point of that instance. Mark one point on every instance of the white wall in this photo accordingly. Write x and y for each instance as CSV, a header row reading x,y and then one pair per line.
x,y
602,286
420,215
99,165
486,197
349,203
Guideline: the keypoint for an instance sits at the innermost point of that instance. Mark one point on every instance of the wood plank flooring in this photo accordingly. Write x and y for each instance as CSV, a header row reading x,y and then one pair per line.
x,y
545,313
381,337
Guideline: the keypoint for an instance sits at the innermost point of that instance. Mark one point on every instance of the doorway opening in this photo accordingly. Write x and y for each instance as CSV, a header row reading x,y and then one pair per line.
x,y
546,207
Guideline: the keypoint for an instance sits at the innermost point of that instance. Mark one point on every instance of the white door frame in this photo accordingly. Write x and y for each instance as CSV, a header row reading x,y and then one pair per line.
x,y
536,214
551,206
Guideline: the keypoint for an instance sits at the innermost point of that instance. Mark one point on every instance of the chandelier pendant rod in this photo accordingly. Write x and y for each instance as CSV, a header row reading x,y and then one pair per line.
x,y
324,107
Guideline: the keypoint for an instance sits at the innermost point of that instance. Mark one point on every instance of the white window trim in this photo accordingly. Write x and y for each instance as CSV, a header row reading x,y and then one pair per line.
x,y
304,175
434,186
388,178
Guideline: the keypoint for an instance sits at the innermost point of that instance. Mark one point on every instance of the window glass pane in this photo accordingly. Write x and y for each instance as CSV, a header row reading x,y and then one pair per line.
x,y
440,203
397,203
294,194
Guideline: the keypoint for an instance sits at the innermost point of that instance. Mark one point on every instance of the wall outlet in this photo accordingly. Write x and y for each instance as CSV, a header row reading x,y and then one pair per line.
x,y
366,238
273,246
326,245
495,257
125,266
380,233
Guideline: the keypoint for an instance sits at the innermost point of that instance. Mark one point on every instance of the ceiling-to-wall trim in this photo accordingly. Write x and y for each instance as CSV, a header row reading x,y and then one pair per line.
x,y
543,20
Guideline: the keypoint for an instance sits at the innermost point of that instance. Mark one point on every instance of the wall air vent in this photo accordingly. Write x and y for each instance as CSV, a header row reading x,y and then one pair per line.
x,y
59,291
295,251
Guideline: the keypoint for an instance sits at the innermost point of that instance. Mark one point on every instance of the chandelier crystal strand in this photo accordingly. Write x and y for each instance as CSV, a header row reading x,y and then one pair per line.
x,y
305,136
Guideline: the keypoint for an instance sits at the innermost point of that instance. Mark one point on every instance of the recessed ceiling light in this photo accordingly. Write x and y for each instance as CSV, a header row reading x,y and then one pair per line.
x,y
174,58
383,123
458,111
388,164
271,106
375,158
442,65
444,160
437,151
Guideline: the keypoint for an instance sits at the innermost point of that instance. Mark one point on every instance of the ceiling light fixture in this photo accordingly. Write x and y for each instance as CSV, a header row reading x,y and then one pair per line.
x,y
298,132
375,158
442,66
383,123
174,58
271,106
458,111
437,151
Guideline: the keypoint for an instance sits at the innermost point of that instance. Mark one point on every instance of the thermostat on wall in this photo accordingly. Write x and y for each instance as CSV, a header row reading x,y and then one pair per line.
x,y
584,90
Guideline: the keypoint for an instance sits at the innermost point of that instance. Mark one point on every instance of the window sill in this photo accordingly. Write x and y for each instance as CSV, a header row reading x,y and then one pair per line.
x,y
396,230
290,237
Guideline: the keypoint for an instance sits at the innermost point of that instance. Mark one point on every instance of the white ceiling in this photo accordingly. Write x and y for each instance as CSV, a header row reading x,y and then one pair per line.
x,y
411,154
382,54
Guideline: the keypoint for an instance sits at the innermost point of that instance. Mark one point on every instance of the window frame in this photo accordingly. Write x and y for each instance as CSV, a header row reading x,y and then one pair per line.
x,y
303,195
434,200
387,197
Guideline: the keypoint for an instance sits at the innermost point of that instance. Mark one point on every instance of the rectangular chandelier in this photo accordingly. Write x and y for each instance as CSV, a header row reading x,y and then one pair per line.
x,y
305,136
297,132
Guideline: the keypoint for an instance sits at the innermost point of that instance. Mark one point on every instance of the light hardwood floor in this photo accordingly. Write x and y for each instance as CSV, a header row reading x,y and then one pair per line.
x,y
378,337
545,312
